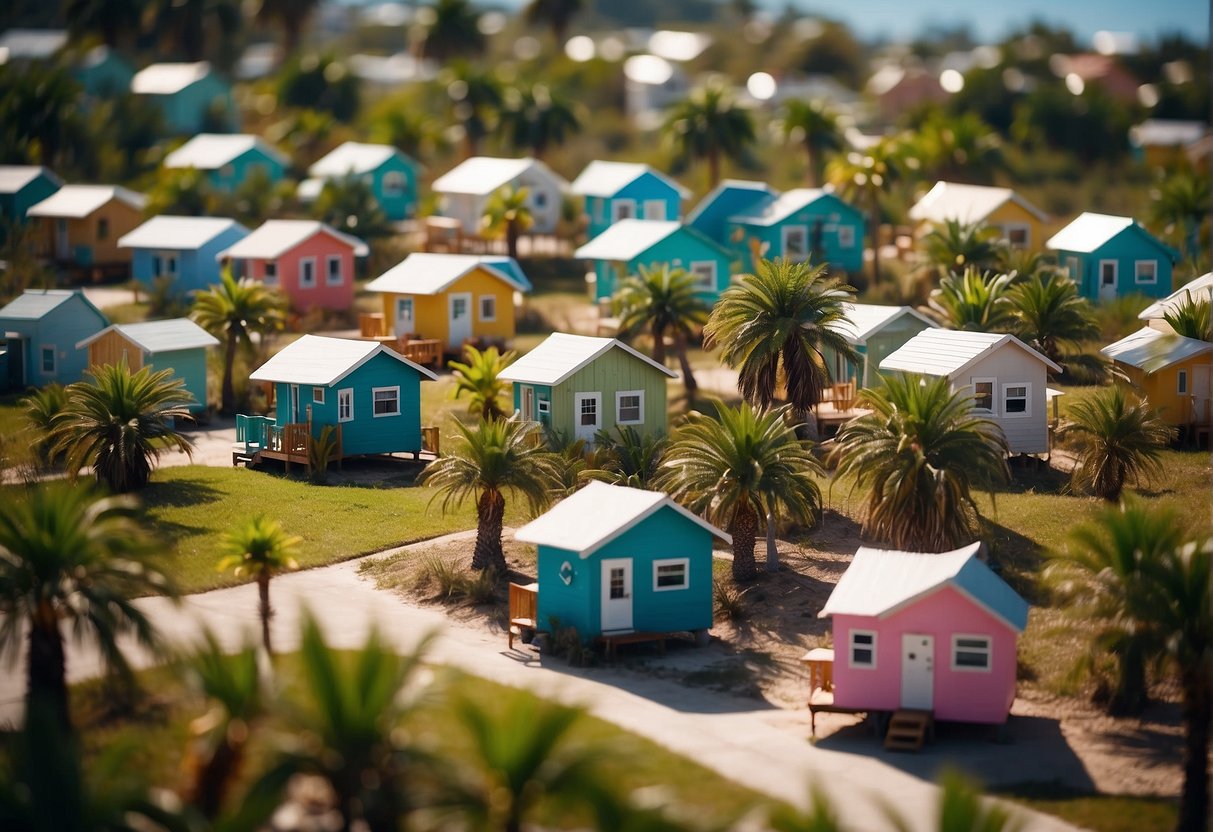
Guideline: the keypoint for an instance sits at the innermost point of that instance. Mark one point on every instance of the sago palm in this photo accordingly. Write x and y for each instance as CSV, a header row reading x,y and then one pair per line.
x,y
815,125
488,462
663,301
121,422
625,457
41,408
507,214
259,548
1180,204
480,378
739,467
1192,318
955,247
974,301
1119,440
919,454
1050,316
775,325
71,565
709,125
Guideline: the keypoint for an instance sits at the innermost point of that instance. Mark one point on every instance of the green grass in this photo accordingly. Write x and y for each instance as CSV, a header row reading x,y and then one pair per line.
x,y
1100,813
128,313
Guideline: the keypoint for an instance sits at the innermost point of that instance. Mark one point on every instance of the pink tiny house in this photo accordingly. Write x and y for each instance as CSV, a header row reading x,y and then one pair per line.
x,y
310,262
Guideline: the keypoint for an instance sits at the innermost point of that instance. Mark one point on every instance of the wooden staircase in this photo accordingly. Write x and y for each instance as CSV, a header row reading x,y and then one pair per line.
x,y
908,730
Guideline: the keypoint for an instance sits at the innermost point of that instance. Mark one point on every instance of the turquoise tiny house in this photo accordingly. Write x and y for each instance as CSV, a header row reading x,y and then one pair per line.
x,y
801,224
191,96
730,198
616,560
40,329
229,160
616,191
21,188
391,174
1110,257
103,73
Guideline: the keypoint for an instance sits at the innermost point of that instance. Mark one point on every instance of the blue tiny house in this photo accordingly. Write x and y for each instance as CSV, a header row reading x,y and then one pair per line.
x,y
391,174
730,198
616,560
616,191
183,250
1110,257
21,188
228,160
801,224
191,96
178,344
103,73
40,329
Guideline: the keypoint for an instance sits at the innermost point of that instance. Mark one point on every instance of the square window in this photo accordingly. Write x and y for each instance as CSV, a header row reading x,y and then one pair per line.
x,y
393,183
622,209
1018,236
318,395
629,407
670,574
334,275
795,243
983,395
705,272
863,648
846,236
103,228
270,272
1145,271
48,359
654,209
488,308
1182,383
385,401
545,407
345,405
307,272
970,653
1015,400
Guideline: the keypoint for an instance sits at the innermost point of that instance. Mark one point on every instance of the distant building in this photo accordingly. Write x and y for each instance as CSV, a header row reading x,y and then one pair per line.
x,y
183,250
81,225
466,188
391,175
103,72
28,45
191,96
1174,373
897,89
178,345
1162,142
798,225
22,187
1017,221
229,159
40,329
616,191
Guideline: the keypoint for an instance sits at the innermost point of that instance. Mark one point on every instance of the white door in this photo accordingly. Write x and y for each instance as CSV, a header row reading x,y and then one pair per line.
x,y
295,403
460,307
616,594
528,404
587,413
62,248
1107,279
917,672
404,316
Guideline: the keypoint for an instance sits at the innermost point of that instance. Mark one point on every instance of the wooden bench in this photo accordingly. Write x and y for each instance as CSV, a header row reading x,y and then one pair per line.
x,y
611,641
524,602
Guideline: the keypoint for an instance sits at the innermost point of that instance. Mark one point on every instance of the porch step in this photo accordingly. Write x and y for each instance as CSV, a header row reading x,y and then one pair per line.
x,y
908,730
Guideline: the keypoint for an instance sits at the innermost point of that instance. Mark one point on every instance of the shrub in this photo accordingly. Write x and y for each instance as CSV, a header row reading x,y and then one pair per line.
x,y
320,453
729,602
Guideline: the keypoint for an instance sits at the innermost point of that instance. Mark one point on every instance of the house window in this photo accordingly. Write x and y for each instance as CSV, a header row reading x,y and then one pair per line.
x,y
622,209
1107,272
545,408
307,273
705,271
345,405
589,411
1145,271
1018,236
1016,400
164,264
970,652
983,394
863,648
629,407
846,236
393,183
270,272
488,307
386,401
1073,269
671,574
1182,383
333,275
48,359
103,228
318,395
795,243
654,209
541,199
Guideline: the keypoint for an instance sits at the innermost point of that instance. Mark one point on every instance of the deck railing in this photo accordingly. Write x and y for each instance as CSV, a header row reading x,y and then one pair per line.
x,y
251,431
372,325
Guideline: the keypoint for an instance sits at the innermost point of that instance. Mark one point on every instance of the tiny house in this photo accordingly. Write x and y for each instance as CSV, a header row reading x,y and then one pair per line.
x,y
179,345
465,190
620,251
82,224
731,198
1174,373
615,560
1194,291
575,386
103,73
391,175
21,188
181,250
191,96
1006,378
925,632
228,160
1018,222
875,332
41,328
801,224
1110,257
616,191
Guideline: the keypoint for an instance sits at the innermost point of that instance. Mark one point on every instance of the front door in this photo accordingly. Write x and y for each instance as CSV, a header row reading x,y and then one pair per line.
x,y
404,317
917,671
616,594
63,247
460,330
528,404
1107,279
15,359
295,403
587,413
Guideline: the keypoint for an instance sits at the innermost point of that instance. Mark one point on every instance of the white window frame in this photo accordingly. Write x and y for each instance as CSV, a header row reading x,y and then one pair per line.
x,y
616,204
656,209
788,231
710,284
269,272
1018,226
543,407
345,400
1181,383
619,406
412,316
393,389
851,663
329,260
394,183
1137,278
1115,264
1027,400
989,651
317,395
492,299
1074,268
993,382
304,262
846,236
685,563
54,360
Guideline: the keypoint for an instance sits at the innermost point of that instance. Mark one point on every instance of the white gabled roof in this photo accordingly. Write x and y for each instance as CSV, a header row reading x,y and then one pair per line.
x,y
966,204
606,179
1151,350
627,239
560,355
1166,132
177,233
160,336
33,304
481,175
276,237
1200,289
879,582
866,319
77,201
319,361
167,79
15,177
351,158
211,151
1088,232
597,514
946,352
424,273
781,207
31,43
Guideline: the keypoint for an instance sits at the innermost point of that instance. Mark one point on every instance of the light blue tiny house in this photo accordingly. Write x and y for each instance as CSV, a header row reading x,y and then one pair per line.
x,y
370,393
21,188
191,96
178,345
616,191
40,329
801,224
103,73
615,560
229,160
622,249
183,250
391,174
730,198
1110,257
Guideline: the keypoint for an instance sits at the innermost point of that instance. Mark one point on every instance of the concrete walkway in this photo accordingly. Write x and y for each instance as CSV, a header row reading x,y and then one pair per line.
x,y
756,745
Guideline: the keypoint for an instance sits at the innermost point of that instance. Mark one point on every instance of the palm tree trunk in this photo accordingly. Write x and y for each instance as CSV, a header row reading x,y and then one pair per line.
x,y
47,679
684,364
658,343
511,238
1197,709
490,511
772,548
814,174
744,531
227,398
217,774
713,167
263,592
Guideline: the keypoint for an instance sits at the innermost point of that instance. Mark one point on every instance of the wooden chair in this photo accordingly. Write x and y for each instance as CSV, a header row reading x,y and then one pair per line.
x,y
524,602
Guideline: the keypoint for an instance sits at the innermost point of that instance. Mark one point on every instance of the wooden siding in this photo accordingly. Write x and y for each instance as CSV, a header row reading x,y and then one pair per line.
x,y
85,246
111,348
1161,388
611,373
431,313
63,327
1011,365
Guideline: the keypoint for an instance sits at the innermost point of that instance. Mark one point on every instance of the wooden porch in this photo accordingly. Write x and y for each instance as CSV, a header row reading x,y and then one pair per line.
x,y
427,352
259,438
838,405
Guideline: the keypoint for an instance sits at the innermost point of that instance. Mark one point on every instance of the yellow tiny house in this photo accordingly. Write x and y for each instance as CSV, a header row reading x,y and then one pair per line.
x,y
1174,373
1017,221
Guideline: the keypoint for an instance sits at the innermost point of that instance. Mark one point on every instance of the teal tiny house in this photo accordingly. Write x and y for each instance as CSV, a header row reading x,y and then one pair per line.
x,y
21,188
616,191
178,344
191,96
617,560
391,175
801,224
875,331
229,160
40,329
1109,257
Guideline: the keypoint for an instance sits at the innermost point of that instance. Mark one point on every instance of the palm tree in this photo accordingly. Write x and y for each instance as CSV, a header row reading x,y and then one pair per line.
x,y
920,453
1049,315
349,205
865,177
41,119
1119,440
663,301
259,548
958,148
121,422
492,460
481,379
557,14
507,214
116,21
41,408
288,15
958,247
234,312
739,467
710,125
774,325
476,98
71,562
451,29
973,301
626,457
1181,203
186,26
1191,318
534,119
814,124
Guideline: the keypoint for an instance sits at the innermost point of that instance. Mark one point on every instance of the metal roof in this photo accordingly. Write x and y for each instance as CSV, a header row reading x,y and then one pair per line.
x,y
608,178
352,158
77,201
1151,350
758,188
1088,232
15,177
33,304
423,273
167,79
31,43
320,361
597,514
177,233
776,209
1199,289
481,175
160,336
627,239
211,151
966,204
1165,132
947,352
560,355
276,237
879,582
866,319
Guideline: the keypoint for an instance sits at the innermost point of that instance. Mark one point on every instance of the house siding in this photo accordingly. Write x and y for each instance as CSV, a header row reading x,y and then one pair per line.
x,y
14,206
63,327
112,348
600,210
1011,213
431,313
824,244
321,295
1012,365
85,248
190,367
469,208
398,206
609,374
243,167
543,393
1126,248
186,111
197,270
1161,388
679,250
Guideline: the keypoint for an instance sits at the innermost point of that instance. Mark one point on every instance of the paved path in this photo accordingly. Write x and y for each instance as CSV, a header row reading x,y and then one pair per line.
x,y
758,746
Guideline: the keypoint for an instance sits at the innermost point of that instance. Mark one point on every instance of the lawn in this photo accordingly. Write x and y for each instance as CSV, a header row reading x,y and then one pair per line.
x,y
1102,813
